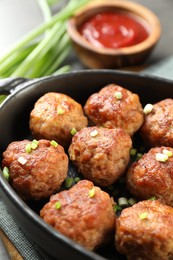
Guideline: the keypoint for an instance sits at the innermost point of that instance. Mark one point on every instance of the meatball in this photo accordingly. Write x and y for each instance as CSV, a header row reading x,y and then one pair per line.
x,y
37,168
152,175
83,213
145,231
54,117
114,106
157,129
100,154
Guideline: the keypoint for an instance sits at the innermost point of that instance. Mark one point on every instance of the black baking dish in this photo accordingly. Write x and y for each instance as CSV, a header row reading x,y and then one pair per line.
x,y
14,118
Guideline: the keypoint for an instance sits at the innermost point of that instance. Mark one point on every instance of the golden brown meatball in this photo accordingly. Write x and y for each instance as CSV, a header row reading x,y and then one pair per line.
x,y
100,154
145,231
152,175
114,106
37,169
83,213
54,116
157,129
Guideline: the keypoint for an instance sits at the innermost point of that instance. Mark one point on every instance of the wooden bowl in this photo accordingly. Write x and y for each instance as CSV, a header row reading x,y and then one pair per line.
x,y
94,57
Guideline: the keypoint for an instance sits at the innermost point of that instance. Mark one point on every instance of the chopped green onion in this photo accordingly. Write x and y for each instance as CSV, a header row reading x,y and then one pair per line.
x,y
133,151
94,133
139,156
28,148
92,192
116,208
22,160
152,198
6,173
77,179
122,202
148,108
54,143
160,157
131,201
143,215
58,205
34,144
68,182
118,95
60,111
167,152
73,131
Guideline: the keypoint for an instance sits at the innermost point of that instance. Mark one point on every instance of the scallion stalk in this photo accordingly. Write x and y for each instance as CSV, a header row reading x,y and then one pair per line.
x,y
46,37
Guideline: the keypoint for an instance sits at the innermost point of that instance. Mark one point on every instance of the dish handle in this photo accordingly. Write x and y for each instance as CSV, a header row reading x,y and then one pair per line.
x,y
7,85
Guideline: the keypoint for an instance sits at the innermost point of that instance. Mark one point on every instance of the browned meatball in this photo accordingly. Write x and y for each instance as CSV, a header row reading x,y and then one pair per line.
x,y
114,106
54,116
152,175
157,129
83,213
37,170
145,231
100,154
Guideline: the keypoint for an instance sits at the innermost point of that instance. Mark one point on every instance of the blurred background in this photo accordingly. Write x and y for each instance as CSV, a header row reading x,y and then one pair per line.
x,y
17,17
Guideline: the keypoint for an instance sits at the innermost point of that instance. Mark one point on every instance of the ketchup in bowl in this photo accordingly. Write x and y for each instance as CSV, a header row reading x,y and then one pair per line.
x,y
114,30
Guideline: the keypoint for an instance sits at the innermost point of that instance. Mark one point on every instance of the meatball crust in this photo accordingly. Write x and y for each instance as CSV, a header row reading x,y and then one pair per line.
x,y
100,154
54,116
157,129
114,106
145,231
150,177
85,214
36,174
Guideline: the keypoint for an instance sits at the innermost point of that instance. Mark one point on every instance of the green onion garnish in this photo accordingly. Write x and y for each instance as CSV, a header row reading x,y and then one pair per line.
x,y
122,202
58,205
68,182
133,151
131,201
94,133
167,152
143,215
92,192
139,156
118,95
60,111
54,143
28,148
148,108
160,157
117,208
77,179
22,160
34,144
6,173
152,198
73,131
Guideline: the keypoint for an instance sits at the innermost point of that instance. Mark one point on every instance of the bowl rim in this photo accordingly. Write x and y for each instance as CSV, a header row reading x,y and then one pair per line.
x,y
137,9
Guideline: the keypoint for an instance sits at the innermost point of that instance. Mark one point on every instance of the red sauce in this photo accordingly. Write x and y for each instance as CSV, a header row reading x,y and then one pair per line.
x,y
113,30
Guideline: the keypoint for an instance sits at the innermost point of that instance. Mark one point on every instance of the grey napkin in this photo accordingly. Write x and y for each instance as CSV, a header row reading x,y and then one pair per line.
x,y
28,249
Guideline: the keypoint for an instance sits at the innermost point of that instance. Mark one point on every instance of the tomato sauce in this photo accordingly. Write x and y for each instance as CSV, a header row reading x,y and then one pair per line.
x,y
114,30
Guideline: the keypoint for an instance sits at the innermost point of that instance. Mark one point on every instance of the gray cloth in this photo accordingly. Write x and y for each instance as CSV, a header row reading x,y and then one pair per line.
x,y
28,249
